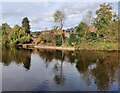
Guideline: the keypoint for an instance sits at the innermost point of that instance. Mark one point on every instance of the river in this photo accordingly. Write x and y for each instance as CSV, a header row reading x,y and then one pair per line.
x,y
55,70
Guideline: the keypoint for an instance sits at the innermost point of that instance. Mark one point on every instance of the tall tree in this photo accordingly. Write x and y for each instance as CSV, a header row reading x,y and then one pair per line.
x,y
18,35
103,18
5,29
25,24
59,16
82,29
88,18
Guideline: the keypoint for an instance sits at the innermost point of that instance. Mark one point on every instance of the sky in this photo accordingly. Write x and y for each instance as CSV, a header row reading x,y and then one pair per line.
x,y
40,13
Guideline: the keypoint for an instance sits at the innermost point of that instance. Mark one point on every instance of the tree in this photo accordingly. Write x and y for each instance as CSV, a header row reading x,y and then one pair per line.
x,y
82,29
88,18
18,35
5,30
25,24
55,28
73,40
103,18
59,16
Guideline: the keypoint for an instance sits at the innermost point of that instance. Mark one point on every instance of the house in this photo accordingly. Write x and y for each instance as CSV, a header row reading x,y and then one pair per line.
x,y
66,33
69,31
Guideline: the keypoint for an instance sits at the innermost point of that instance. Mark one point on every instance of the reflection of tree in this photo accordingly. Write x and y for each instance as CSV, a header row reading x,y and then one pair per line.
x,y
27,63
100,66
71,56
83,61
104,71
49,55
101,76
16,55
59,77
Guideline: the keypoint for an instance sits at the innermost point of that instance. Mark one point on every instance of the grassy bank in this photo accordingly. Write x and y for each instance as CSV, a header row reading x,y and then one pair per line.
x,y
101,46
97,46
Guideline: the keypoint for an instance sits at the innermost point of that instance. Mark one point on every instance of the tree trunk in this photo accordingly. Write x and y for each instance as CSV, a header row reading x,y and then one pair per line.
x,y
97,35
62,37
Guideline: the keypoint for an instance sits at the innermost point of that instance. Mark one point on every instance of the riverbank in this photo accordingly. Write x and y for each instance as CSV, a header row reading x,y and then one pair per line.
x,y
95,47
55,47
71,48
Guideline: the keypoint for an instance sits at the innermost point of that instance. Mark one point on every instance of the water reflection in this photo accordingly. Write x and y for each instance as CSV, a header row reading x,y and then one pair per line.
x,y
18,56
93,66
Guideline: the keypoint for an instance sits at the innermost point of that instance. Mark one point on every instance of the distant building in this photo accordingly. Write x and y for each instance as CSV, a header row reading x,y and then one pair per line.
x,y
69,31
66,33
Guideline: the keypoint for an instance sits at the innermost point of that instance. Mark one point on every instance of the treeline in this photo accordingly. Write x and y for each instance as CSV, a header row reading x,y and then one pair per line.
x,y
17,34
100,65
99,31
103,27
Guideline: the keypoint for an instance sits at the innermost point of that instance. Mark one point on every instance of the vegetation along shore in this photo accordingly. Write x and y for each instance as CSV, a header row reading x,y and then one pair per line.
x,y
99,32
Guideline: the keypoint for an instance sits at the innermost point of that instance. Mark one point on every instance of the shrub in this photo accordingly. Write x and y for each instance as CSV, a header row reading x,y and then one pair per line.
x,y
91,37
73,40
58,40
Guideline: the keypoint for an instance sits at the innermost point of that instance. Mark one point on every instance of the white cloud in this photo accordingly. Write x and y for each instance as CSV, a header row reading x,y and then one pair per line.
x,y
73,15
59,1
47,19
35,19
40,14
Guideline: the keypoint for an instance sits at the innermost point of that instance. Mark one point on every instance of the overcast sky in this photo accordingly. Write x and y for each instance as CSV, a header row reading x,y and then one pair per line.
x,y
40,13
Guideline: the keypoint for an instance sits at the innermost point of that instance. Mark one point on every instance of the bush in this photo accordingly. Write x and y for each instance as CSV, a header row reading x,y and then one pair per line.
x,y
92,37
58,40
73,40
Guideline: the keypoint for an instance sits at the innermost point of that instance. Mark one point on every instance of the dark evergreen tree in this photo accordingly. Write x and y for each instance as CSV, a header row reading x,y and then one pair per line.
x,y
25,24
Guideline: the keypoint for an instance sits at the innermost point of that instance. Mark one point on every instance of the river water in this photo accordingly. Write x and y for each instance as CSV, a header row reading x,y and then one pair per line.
x,y
55,70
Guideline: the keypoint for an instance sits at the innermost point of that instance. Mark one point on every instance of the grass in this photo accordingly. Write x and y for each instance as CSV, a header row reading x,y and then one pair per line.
x,y
97,46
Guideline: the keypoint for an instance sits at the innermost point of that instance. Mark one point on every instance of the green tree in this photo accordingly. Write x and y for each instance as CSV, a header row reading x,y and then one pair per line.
x,y
103,18
18,35
59,16
25,24
82,29
5,30
73,40
55,28
58,40
87,19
